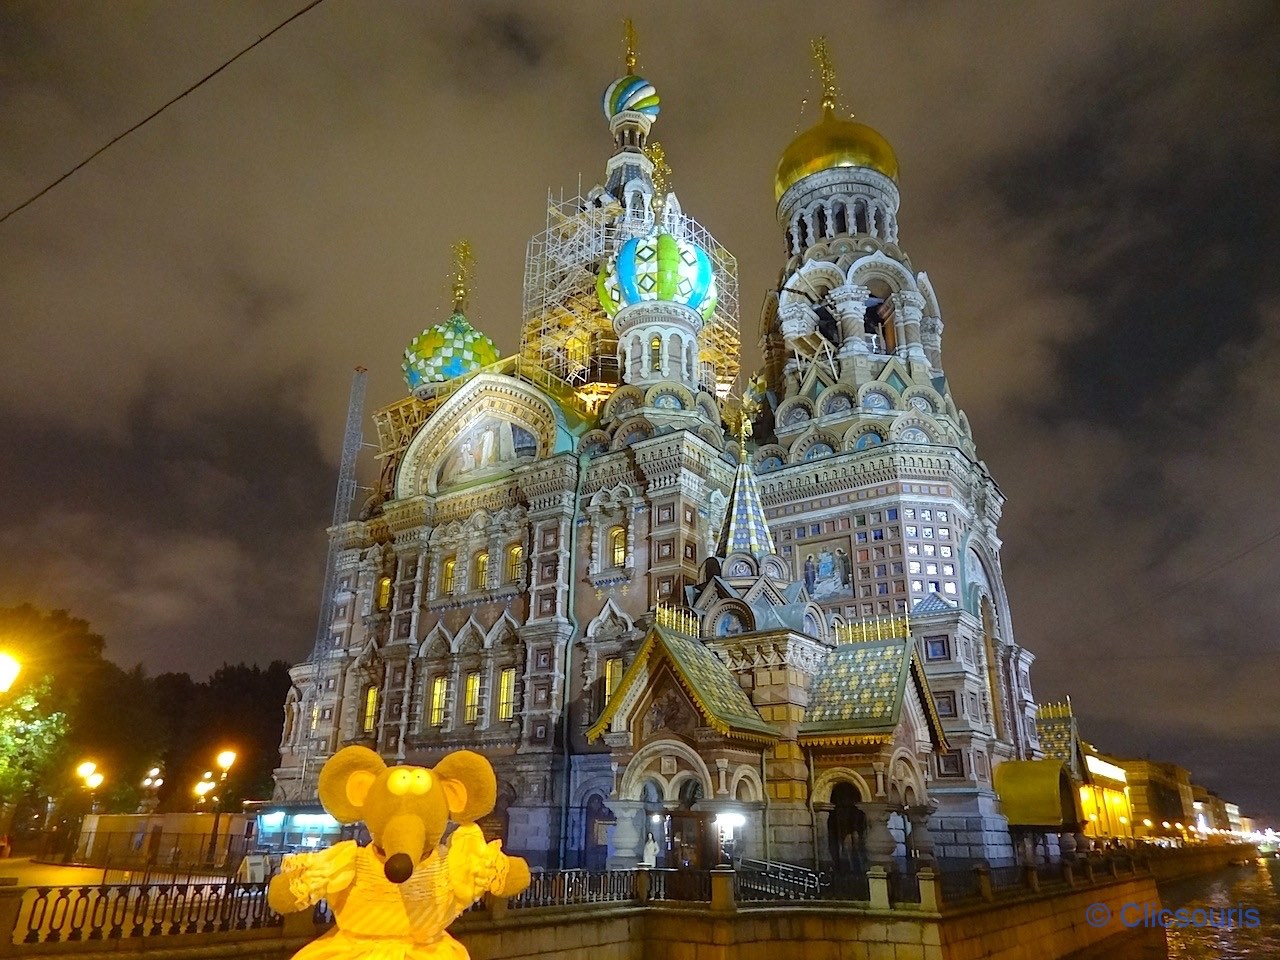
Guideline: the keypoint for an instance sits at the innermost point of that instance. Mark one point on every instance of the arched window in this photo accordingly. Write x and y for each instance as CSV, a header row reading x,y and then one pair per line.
x,y
446,576
439,700
617,546
481,579
384,593
655,355
515,562
507,693
370,717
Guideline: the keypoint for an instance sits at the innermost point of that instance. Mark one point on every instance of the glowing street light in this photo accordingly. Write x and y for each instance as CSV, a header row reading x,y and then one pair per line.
x,y
9,670
85,770
224,760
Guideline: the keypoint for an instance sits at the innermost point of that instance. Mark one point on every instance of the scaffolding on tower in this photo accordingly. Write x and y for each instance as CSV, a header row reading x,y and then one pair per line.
x,y
352,438
564,329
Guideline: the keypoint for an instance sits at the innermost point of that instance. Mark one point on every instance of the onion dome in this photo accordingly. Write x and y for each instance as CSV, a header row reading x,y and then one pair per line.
x,y
658,267
445,351
832,142
453,348
630,93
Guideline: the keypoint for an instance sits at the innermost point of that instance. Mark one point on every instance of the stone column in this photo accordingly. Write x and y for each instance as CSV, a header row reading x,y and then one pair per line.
x,y
850,305
921,840
908,307
880,842
931,340
627,842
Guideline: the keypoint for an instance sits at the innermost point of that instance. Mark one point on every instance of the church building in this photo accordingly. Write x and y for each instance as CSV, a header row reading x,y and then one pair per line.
x,y
755,616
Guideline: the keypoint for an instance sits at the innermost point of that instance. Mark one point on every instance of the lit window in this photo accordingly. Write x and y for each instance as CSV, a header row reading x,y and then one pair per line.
x,y
370,718
439,695
384,593
655,354
481,579
617,546
515,561
471,703
446,576
507,693
612,675
315,717
914,566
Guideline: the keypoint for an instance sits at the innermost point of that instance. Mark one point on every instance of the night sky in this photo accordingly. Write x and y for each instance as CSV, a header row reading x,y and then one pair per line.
x,y
1092,188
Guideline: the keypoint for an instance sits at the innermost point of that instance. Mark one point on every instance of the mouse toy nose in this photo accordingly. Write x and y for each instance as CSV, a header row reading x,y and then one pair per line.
x,y
398,868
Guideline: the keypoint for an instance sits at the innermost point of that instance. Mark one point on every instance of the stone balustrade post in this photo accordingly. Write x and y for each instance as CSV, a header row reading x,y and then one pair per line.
x,y
930,889
1088,871
10,908
642,884
1068,874
722,899
878,887
982,873
880,842
921,840
1031,878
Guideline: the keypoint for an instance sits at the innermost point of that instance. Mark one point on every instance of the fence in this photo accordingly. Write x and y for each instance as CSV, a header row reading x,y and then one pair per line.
x,y
172,856
573,887
127,911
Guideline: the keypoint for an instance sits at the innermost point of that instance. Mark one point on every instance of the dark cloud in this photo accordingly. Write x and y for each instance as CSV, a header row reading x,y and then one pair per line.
x,y
1092,188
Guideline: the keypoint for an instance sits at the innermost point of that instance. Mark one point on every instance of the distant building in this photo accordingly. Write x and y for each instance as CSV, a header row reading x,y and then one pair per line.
x,y
773,624
1162,798
1102,784
1209,809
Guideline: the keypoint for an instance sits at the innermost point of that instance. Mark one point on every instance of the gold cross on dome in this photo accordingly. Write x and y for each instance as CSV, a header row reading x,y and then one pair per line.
x,y
460,280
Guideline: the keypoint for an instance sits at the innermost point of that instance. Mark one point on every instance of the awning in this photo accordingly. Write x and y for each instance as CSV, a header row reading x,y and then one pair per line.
x,y
1036,793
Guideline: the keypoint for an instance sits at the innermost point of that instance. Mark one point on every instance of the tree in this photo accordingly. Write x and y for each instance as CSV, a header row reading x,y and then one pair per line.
x,y
31,744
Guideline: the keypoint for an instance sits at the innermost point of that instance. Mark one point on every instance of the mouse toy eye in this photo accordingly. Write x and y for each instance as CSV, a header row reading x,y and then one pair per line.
x,y
400,782
421,781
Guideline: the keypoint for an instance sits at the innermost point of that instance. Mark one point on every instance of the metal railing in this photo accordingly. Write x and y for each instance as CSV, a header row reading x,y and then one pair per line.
x,y
692,886
573,887
127,911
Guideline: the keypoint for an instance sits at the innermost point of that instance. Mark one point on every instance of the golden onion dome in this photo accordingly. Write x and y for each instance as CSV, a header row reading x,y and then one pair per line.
x,y
832,143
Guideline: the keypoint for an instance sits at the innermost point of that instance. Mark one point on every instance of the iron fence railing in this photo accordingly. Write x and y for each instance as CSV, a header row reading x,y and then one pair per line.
x,y
692,886
126,911
572,887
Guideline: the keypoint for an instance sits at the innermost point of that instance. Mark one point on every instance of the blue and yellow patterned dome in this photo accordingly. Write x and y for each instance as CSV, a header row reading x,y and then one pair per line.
x,y
445,351
658,267
630,93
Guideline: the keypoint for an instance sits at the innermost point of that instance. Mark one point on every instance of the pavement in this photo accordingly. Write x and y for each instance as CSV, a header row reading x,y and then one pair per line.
x,y
30,873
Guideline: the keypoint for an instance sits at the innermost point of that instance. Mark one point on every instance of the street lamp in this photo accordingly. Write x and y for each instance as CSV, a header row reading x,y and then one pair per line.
x,y
92,778
224,760
9,670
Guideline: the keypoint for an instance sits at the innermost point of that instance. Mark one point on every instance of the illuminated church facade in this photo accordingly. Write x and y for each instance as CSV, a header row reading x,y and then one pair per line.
x,y
766,622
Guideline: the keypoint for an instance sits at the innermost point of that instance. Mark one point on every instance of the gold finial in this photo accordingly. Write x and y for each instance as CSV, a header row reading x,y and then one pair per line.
x,y
629,38
463,268
827,73
744,431
661,175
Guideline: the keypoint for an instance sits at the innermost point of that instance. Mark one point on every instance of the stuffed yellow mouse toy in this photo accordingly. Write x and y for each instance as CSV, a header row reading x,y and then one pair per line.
x,y
395,897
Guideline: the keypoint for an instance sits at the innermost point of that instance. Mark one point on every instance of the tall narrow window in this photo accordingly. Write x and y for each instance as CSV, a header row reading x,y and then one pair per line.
x,y
655,355
617,546
507,693
439,695
370,718
446,576
384,593
315,717
515,560
471,703
612,675
481,579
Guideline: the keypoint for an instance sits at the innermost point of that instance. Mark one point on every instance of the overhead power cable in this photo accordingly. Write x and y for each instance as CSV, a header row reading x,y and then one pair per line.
x,y
147,119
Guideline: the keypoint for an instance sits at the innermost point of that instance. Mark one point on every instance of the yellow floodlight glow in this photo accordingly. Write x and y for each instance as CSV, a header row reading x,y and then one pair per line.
x,y
225,759
9,670
94,781
85,770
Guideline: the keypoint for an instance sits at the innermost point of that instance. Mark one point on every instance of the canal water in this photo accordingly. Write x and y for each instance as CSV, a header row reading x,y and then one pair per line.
x,y
1209,931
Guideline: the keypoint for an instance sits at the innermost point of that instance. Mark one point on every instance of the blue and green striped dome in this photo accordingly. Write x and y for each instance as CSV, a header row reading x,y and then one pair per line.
x,y
630,93
445,351
658,267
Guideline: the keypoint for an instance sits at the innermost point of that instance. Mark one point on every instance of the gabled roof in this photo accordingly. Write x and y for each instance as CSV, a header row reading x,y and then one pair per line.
x,y
933,603
704,677
860,690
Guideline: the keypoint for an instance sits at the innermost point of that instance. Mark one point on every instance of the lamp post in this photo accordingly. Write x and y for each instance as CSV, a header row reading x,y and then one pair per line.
x,y
224,761
9,670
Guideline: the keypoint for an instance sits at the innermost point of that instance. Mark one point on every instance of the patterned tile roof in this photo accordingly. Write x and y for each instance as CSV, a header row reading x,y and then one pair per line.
x,y
1057,739
861,688
933,603
705,678
745,529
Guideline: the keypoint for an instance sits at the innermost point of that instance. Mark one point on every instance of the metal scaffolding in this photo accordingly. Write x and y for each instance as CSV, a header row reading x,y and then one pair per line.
x,y
564,329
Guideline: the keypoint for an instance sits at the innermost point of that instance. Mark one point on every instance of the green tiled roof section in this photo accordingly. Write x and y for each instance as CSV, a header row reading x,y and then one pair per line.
x,y
1055,737
860,688
713,684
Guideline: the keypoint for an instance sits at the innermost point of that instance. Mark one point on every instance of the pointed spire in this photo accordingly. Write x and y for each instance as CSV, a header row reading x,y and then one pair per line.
x,y
827,74
629,40
461,278
745,528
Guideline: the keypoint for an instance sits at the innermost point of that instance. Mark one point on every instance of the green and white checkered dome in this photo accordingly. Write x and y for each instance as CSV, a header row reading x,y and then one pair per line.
x,y
444,352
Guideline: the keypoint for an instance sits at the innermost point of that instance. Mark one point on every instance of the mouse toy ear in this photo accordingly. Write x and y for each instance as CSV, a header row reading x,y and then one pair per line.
x,y
470,788
345,780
